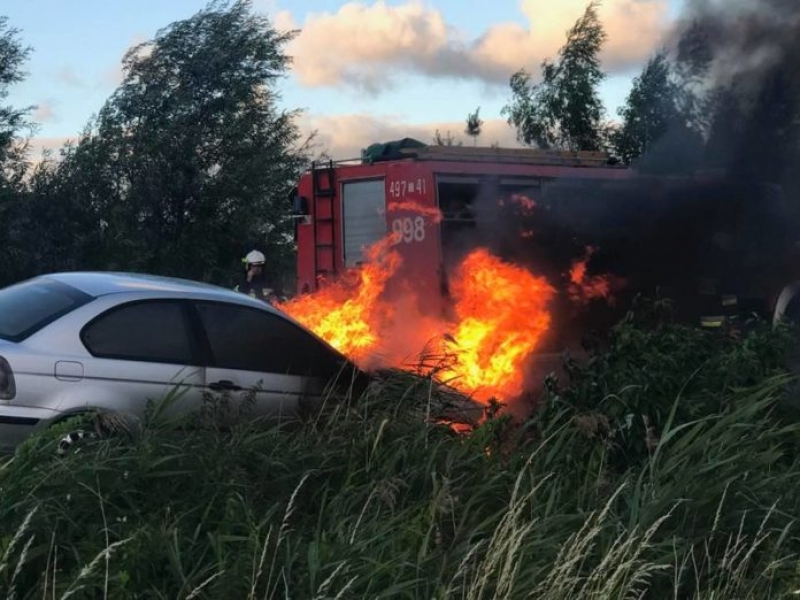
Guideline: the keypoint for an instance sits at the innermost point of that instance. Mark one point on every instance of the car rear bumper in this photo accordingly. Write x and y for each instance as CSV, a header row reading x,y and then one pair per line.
x,y
19,422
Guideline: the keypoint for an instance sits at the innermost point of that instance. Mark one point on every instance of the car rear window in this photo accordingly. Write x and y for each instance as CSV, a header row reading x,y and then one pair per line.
x,y
149,331
28,306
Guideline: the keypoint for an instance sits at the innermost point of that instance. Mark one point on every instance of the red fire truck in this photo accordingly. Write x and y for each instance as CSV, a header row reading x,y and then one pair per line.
x,y
716,246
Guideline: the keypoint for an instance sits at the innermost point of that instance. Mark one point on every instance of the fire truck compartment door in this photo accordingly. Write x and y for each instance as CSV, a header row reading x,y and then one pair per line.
x,y
364,218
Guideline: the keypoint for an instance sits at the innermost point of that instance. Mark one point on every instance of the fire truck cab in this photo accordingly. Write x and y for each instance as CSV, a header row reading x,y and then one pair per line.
x,y
698,240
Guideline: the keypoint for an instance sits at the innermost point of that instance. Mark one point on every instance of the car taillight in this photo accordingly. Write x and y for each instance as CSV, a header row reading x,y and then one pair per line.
x,y
8,388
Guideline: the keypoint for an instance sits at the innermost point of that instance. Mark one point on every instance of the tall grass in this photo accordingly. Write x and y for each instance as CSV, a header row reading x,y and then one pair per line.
x,y
664,468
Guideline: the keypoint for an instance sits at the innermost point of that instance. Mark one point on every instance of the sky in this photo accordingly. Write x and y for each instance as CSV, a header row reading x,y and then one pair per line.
x,y
362,71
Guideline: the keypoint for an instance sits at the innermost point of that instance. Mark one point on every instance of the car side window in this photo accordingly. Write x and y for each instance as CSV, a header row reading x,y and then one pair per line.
x,y
154,331
253,340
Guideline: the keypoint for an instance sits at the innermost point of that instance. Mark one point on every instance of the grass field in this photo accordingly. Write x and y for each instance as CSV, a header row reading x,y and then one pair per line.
x,y
666,466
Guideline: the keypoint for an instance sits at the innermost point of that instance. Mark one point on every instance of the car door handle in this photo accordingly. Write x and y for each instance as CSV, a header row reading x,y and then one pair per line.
x,y
224,386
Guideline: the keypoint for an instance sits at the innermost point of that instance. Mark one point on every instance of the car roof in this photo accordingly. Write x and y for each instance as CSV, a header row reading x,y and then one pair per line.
x,y
101,283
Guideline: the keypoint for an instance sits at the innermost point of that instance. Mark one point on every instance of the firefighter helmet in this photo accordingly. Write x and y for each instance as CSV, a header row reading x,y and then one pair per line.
x,y
254,257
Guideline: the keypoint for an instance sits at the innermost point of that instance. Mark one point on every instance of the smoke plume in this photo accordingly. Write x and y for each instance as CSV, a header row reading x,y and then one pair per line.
x,y
726,227
740,59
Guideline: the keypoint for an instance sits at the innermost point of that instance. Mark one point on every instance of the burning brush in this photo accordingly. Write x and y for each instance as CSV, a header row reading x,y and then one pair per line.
x,y
501,316
584,288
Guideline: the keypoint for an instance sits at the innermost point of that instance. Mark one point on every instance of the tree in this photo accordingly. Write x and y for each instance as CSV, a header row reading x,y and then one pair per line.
x,y
49,228
564,111
189,164
474,125
13,121
13,154
445,140
652,108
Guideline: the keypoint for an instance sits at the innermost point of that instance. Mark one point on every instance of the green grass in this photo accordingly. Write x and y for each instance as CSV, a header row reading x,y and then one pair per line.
x,y
666,467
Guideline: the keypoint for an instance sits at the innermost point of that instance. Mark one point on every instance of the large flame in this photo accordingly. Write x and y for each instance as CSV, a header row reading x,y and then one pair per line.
x,y
501,315
344,313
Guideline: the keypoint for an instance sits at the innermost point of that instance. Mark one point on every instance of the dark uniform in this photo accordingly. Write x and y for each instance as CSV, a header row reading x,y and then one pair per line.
x,y
259,288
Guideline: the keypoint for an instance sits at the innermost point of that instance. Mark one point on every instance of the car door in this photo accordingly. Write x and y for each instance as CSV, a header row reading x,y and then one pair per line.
x,y
142,350
266,364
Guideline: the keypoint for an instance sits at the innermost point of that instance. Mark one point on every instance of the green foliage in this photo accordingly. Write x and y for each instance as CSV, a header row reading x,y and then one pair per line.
x,y
564,111
654,372
13,121
48,227
474,125
371,499
188,165
13,144
655,106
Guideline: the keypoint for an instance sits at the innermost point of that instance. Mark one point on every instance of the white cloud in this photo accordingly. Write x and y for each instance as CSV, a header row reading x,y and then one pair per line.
x,y
362,44
284,21
344,136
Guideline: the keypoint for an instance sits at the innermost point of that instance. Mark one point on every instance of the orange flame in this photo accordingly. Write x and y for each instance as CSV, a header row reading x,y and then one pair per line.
x,y
415,207
501,316
343,312
522,201
585,288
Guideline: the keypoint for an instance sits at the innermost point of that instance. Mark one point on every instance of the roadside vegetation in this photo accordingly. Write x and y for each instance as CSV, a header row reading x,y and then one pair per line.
x,y
666,466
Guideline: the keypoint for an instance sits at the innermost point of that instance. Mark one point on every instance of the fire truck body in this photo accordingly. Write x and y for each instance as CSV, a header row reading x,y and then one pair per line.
x,y
543,210
344,208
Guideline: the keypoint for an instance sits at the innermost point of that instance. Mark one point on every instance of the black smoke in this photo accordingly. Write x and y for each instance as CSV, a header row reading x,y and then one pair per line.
x,y
712,214
740,60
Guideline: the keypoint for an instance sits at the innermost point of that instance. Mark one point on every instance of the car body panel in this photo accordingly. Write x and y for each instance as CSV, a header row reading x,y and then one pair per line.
x,y
56,374
19,422
126,386
255,394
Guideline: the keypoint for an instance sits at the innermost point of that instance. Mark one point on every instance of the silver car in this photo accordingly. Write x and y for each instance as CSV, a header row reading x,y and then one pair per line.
x,y
78,342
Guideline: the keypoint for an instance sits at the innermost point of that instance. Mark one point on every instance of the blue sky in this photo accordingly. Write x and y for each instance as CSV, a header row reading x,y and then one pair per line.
x,y
362,69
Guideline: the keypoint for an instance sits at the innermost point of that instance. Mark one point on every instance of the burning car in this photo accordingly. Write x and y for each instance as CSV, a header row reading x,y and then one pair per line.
x,y
72,343
505,257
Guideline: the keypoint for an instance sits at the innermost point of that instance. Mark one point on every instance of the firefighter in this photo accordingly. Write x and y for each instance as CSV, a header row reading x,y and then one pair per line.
x,y
255,282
